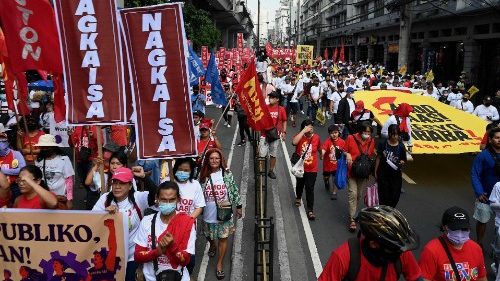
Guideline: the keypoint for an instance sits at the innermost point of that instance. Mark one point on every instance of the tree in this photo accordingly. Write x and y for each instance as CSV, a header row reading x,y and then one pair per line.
x,y
200,28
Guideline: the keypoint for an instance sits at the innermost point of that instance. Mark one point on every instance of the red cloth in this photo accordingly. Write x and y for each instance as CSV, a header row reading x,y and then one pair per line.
x,y
278,114
33,140
484,141
311,157
33,203
59,102
351,147
7,162
180,227
359,108
119,134
80,137
436,266
143,255
22,94
338,265
203,143
329,160
403,111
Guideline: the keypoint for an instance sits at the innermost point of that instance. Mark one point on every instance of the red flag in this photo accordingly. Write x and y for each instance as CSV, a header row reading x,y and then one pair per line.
x,y
31,36
342,53
325,54
252,101
335,53
9,79
42,74
22,94
59,103
269,49
164,125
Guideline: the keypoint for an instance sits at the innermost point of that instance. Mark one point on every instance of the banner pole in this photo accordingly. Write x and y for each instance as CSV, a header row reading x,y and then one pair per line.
x,y
170,169
16,112
104,187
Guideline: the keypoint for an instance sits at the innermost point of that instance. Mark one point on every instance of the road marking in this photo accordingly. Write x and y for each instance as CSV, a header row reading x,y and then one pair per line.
x,y
237,257
318,268
284,262
204,261
408,179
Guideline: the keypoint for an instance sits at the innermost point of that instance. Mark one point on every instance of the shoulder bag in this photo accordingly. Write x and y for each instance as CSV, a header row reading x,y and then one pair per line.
x,y
364,165
225,210
450,257
272,134
298,167
165,275
295,156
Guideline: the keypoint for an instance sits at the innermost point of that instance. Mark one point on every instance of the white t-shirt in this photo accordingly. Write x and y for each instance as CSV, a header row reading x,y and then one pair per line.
x,y
286,88
143,239
336,99
133,219
315,92
191,197
327,89
489,113
392,120
210,211
495,198
296,93
454,98
352,106
197,133
465,106
56,171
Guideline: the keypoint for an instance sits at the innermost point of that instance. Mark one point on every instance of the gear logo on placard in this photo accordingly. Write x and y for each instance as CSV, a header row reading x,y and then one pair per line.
x,y
66,262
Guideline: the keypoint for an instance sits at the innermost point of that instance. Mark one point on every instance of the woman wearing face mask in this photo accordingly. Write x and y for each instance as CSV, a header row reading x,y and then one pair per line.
x,y
34,192
467,255
27,141
12,160
57,170
391,156
218,184
124,199
174,234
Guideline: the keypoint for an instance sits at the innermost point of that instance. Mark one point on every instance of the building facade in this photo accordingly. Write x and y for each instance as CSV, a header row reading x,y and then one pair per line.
x,y
448,36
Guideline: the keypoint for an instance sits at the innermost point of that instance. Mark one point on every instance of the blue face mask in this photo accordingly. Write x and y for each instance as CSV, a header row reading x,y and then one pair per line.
x,y
182,176
167,208
458,237
4,148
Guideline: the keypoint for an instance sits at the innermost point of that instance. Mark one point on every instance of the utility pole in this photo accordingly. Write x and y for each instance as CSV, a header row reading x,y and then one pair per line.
x,y
290,24
404,33
258,24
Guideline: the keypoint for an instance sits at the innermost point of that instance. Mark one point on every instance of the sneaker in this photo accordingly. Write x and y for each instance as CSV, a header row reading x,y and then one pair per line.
x,y
225,124
302,112
241,143
229,125
272,175
333,196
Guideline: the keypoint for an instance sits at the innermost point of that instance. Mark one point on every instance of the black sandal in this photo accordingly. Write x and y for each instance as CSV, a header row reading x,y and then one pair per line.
x,y
220,274
311,216
211,252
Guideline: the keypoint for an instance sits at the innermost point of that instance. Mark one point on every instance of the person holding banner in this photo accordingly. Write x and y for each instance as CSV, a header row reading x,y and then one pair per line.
x,y
124,199
486,111
465,104
208,140
34,193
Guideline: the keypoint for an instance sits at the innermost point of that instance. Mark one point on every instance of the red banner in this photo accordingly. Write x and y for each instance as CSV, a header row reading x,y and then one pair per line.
x,y
239,40
157,46
335,53
252,100
31,35
222,57
93,65
205,56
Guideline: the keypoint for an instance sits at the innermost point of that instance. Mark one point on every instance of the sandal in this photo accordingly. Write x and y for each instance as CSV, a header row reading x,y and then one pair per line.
x,y
220,274
311,216
298,202
211,252
352,226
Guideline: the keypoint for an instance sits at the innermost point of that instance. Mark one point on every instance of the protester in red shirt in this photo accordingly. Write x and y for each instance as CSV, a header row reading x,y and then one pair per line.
x,y
5,192
27,141
467,254
207,140
306,141
118,134
33,194
384,244
331,150
357,144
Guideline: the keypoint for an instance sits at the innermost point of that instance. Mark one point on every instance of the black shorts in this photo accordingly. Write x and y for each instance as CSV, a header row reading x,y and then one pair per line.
x,y
294,107
325,101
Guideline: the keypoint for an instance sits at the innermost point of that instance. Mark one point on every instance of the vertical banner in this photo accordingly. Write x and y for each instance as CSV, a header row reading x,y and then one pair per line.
x,y
158,58
204,56
62,245
305,54
93,66
222,57
239,40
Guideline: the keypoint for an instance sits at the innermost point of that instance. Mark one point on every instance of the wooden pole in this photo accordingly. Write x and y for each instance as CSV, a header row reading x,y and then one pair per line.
x,y
104,187
170,169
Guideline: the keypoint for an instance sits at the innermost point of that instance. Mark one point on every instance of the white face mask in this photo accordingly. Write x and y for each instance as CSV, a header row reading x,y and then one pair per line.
x,y
365,136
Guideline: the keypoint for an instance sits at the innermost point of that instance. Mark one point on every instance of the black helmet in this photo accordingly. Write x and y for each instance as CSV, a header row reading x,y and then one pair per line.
x,y
389,227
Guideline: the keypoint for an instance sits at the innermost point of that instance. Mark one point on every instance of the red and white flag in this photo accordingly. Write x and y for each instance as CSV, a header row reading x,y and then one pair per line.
x,y
239,40
157,52
205,56
93,66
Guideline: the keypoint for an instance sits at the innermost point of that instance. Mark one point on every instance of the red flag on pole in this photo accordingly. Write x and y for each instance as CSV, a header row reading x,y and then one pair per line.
x,y
31,36
252,101
335,54
22,94
342,53
325,54
60,109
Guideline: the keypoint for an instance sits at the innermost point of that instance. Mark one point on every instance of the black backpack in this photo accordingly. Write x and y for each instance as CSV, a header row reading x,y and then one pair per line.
x,y
405,136
364,165
355,261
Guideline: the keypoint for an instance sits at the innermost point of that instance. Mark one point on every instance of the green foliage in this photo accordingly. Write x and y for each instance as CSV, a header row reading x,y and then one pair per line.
x,y
200,28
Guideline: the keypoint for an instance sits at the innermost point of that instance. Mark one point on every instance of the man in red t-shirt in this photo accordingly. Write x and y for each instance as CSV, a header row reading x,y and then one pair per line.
x,y
331,150
278,114
386,240
467,254
357,144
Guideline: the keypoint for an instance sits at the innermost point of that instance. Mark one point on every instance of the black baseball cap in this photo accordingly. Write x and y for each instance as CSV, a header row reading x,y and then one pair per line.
x,y
273,94
456,218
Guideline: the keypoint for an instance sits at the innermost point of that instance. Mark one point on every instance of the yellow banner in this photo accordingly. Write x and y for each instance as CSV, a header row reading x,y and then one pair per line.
x,y
305,54
437,128
62,245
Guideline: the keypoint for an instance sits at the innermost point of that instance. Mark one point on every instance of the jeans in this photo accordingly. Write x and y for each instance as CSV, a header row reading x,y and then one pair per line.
x,y
227,117
242,121
312,112
131,268
307,181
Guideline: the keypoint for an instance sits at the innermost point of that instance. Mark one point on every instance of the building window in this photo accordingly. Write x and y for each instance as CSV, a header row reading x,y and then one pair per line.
x,y
363,12
379,8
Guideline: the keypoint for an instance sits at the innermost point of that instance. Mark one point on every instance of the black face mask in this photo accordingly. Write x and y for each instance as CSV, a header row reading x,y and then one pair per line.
x,y
487,104
45,153
378,257
465,99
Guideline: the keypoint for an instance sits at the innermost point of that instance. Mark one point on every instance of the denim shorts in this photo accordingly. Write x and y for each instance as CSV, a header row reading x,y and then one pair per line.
x,y
482,212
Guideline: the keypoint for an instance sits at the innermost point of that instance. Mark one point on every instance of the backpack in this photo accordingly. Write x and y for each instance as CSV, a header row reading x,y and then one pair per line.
x,y
364,165
355,261
405,136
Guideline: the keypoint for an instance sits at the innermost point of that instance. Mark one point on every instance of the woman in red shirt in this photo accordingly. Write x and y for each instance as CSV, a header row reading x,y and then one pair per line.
x,y
332,149
33,194
27,141
306,141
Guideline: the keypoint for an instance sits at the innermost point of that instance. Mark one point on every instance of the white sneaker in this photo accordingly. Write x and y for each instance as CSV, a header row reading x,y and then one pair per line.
x,y
229,125
225,124
302,112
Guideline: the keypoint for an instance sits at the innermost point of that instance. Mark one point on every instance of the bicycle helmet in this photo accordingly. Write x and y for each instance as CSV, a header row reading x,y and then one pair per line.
x,y
389,227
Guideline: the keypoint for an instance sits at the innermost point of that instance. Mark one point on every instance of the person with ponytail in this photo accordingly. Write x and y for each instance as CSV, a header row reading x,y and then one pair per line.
x,y
124,199
34,193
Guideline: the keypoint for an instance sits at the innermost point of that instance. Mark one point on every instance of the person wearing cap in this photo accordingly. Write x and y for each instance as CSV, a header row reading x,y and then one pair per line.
x,y
279,117
466,254
57,170
208,140
331,149
381,250
198,100
124,199
487,111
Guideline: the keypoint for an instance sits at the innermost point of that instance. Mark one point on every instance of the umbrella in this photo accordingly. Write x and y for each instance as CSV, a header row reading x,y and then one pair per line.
x,y
42,85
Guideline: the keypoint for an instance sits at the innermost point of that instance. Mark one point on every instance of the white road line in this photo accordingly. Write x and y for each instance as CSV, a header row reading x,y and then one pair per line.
x,y
204,261
237,257
318,268
408,179
284,261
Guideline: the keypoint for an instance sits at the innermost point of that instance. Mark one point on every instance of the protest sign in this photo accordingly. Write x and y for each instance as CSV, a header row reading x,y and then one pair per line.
x,y
93,66
304,54
239,40
437,128
62,245
157,52
204,55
